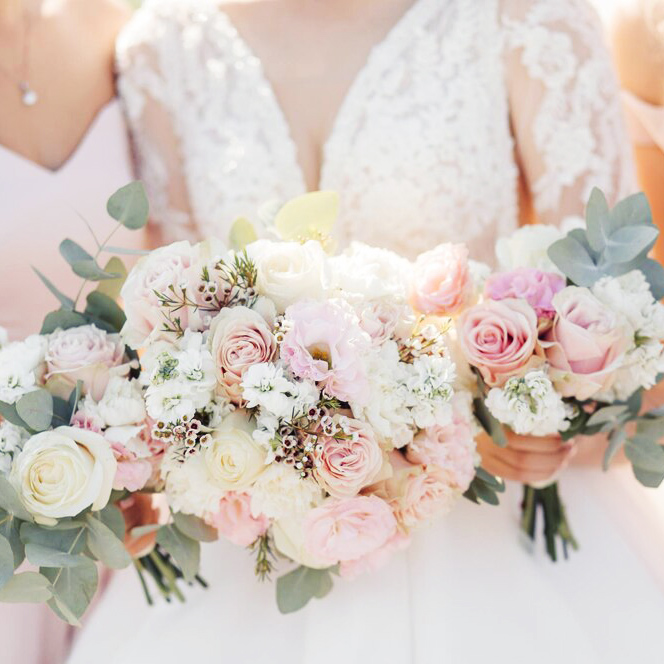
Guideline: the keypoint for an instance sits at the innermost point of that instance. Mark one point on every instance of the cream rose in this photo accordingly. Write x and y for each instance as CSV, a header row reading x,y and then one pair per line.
x,y
83,353
60,473
288,271
239,338
234,459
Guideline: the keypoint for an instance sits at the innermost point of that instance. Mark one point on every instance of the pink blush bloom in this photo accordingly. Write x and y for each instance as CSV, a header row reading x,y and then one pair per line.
x,y
325,344
350,569
525,283
132,473
349,529
234,520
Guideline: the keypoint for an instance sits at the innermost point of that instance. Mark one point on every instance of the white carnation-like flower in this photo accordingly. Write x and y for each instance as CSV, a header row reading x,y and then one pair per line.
x,y
122,403
280,492
12,439
20,366
529,405
528,247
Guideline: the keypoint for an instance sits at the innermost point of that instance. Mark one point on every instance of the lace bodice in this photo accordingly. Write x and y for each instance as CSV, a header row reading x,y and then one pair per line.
x,y
457,107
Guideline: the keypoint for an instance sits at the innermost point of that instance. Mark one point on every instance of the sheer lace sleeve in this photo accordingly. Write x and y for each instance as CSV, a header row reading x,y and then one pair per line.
x,y
565,106
149,84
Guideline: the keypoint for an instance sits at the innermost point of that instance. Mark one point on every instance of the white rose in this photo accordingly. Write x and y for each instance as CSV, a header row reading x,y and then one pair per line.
x,y
528,247
233,458
280,492
21,366
60,473
288,537
288,271
122,403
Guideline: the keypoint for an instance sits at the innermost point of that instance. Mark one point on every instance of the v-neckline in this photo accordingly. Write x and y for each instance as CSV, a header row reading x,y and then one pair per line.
x,y
80,148
358,85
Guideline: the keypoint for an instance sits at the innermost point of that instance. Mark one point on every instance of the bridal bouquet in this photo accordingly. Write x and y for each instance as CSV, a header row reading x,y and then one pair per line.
x,y
306,410
286,398
567,338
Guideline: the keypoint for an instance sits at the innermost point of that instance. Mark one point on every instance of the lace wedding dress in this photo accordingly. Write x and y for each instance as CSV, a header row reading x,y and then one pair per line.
x,y
456,109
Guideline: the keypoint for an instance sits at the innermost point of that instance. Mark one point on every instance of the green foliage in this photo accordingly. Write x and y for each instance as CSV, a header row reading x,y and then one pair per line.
x,y
36,409
297,588
9,413
195,528
65,301
10,528
53,547
489,423
26,588
647,457
129,206
484,488
105,545
82,263
112,287
185,550
613,243
10,501
6,561
73,589
102,307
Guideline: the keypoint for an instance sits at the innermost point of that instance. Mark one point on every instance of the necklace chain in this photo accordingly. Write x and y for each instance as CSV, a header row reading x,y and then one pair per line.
x,y
28,95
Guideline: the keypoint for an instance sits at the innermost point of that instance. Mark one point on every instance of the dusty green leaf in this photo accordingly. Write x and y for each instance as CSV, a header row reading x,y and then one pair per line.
x,y
194,527
64,300
129,205
105,545
36,409
297,588
26,588
185,551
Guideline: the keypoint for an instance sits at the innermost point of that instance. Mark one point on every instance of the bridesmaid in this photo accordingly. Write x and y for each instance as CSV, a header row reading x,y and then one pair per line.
x,y
63,151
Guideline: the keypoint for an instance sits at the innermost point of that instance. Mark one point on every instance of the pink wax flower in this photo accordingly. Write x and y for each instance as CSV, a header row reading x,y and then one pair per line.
x,y
526,283
441,281
341,530
325,344
234,520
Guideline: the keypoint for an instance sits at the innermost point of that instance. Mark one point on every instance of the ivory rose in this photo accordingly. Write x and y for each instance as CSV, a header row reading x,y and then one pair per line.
x,y
288,272
342,530
346,466
60,473
239,338
234,520
325,344
586,345
83,353
526,283
500,339
441,281
233,458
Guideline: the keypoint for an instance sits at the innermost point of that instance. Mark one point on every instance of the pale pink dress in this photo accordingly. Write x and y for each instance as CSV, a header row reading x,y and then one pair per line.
x,y
38,209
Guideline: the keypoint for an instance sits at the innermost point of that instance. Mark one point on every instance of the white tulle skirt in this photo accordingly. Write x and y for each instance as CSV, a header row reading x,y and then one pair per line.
x,y
468,590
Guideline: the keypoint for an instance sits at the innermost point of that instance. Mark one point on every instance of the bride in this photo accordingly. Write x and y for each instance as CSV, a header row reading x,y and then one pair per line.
x,y
435,120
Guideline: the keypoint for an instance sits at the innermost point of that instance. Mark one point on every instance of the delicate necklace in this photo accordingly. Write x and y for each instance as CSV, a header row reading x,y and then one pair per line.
x,y
28,96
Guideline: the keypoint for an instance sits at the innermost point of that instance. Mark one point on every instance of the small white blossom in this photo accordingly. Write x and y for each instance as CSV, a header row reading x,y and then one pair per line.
x,y
529,405
11,442
19,367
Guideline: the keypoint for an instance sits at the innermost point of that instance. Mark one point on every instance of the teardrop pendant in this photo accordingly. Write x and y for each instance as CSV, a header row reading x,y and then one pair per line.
x,y
28,95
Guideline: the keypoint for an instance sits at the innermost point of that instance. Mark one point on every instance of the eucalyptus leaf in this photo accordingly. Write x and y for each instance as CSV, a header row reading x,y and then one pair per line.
x,y
44,556
26,588
616,441
10,501
574,261
10,528
490,424
73,589
103,307
607,415
8,412
129,205
631,211
75,396
297,588
61,413
112,517
185,551
6,561
645,453
36,409
89,269
194,527
105,545
63,320
73,253
654,273
597,220
649,478
139,531
629,242
64,300
635,402
651,427
67,540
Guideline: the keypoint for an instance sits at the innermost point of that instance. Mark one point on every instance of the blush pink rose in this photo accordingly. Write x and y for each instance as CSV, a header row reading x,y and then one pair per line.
x,y
132,472
325,344
351,569
451,448
341,530
239,338
441,282
83,353
235,521
346,466
526,283
500,339
586,345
